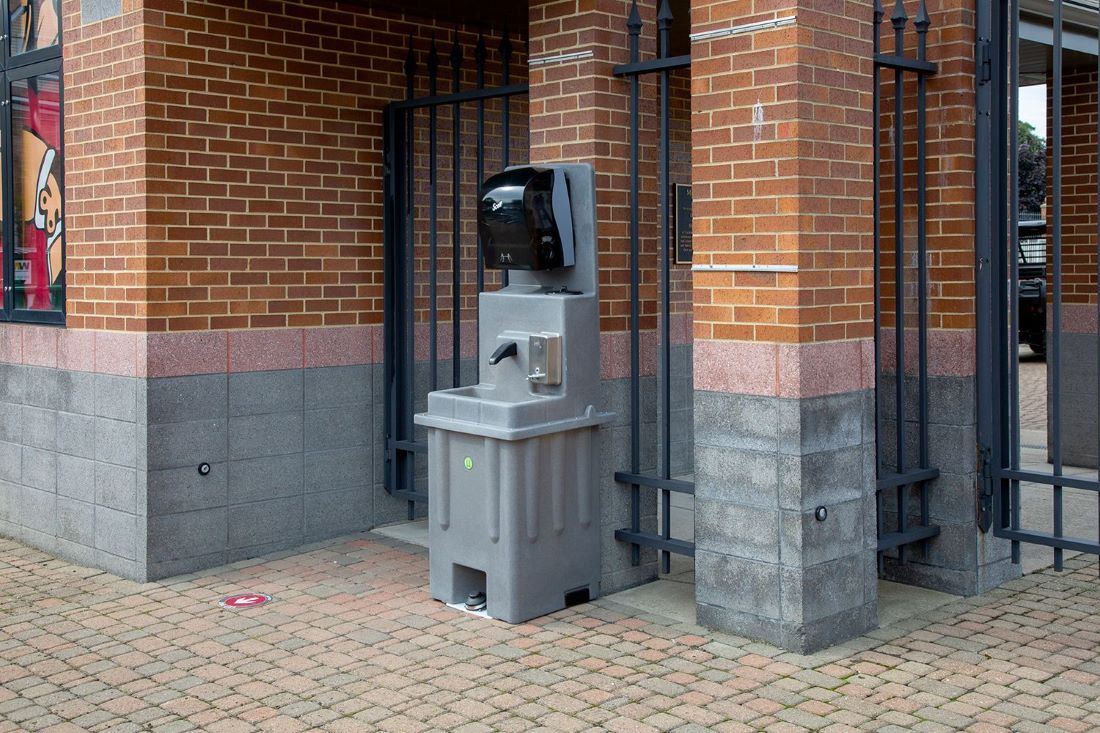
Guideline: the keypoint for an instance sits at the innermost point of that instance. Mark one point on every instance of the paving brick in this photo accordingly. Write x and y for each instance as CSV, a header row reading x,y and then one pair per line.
x,y
166,657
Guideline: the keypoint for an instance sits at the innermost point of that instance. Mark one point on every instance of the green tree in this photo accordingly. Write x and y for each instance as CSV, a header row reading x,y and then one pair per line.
x,y
1031,157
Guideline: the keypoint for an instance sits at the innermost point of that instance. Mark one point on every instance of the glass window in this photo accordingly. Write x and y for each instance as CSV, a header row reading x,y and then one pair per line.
x,y
36,163
35,24
32,215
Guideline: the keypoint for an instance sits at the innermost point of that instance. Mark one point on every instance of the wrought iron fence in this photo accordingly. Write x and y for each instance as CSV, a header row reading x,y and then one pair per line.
x,y
907,473
662,480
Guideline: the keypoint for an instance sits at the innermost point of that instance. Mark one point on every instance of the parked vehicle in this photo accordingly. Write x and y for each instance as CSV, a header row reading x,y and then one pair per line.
x,y
1032,274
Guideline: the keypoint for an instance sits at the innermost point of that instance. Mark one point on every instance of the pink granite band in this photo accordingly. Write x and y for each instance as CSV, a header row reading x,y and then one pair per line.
x,y
784,370
816,369
197,352
1076,318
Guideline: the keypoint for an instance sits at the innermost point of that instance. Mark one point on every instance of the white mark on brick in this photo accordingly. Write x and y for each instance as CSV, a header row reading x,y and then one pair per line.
x,y
757,122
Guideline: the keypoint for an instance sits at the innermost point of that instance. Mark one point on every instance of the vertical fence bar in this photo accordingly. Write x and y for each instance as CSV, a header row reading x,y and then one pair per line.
x,y
876,125
899,20
389,321
505,114
1056,336
634,28
456,226
1096,207
479,55
664,27
407,465
1014,274
1000,451
921,23
433,266
990,336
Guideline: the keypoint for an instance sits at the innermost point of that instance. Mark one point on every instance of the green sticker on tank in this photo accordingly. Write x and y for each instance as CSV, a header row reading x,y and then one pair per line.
x,y
468,463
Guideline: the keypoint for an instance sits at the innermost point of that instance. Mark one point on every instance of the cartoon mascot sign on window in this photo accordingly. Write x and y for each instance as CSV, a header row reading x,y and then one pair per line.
x,y
42,198
36,119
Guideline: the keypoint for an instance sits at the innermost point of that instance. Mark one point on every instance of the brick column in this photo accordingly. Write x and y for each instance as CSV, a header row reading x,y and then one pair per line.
x,y
781,131
580,112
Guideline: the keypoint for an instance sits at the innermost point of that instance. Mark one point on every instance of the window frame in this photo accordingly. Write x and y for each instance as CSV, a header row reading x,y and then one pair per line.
x,y
14,69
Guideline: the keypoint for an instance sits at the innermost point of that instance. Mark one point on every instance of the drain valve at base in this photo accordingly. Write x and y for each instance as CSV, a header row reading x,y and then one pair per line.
x,y
476,601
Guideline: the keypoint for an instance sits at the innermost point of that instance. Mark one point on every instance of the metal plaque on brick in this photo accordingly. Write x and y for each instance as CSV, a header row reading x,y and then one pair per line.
x,y
682,218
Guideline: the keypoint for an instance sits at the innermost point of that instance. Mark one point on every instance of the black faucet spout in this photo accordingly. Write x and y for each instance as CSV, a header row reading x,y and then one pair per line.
x,y
503,352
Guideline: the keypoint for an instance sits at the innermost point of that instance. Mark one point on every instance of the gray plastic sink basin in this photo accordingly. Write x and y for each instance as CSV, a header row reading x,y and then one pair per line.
x,y
483,409
489,405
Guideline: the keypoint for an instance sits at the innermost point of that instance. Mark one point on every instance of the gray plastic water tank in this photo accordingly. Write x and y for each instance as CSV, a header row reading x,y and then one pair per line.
x,y
513,502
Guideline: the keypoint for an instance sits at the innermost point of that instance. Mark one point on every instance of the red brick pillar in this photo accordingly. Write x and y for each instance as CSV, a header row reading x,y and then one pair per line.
x,y
781,132
580,112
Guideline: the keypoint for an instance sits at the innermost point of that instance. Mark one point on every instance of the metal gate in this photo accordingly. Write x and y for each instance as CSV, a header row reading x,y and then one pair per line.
x,y
437,149
637,476
899,473
1021,484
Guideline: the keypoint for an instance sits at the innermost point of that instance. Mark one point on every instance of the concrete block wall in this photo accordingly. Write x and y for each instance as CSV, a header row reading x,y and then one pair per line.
x,y
763,465
682,431
1078,390
73,465
291,455
961,560
619,572
101,467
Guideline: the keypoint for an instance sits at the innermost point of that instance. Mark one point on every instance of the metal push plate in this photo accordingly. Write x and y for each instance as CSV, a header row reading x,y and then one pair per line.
x,y
544,357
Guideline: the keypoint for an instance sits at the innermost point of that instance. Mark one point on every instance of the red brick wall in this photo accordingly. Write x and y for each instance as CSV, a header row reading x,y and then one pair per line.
x,y
680,165
105,157
782,152
581,112
949,172
262,165
469,184
1079,146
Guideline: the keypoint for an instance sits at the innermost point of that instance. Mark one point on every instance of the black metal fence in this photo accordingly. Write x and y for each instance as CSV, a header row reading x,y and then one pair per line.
x,y
1001,55
907,473
430,231
662,480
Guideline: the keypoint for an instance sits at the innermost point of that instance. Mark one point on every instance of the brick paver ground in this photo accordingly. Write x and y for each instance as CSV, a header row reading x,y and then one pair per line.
x,y
353,642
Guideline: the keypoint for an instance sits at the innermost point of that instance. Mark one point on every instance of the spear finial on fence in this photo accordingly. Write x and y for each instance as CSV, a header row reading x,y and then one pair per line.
x,y
921,23
634,30
433,66
456,51
634,20
664,26
880,12
505,48
410,68
899,19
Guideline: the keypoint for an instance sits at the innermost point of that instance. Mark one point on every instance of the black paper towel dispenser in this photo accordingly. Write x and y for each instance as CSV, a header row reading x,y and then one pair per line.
x,y
525,220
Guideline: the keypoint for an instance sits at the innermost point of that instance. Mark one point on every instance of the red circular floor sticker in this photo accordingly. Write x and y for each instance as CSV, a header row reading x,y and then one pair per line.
x,y
245,600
